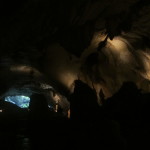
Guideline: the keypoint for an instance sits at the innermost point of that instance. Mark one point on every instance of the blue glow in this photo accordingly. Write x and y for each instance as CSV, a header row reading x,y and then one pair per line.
x,y
21,101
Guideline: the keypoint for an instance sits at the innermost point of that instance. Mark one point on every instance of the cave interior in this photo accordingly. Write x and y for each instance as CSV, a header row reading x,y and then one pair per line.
x,y
74,72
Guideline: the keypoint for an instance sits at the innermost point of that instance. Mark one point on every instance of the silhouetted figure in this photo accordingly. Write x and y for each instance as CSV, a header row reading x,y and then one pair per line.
x,y
46,128
91,129
38,106
130,108
83,102
123,103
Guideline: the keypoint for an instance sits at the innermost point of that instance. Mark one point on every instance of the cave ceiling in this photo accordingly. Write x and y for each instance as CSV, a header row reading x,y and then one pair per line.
x,y
34,32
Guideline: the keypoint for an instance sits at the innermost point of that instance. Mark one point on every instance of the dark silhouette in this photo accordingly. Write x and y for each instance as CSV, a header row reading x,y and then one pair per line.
x,y
83,102
38,106
121,123
130,108
91,127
